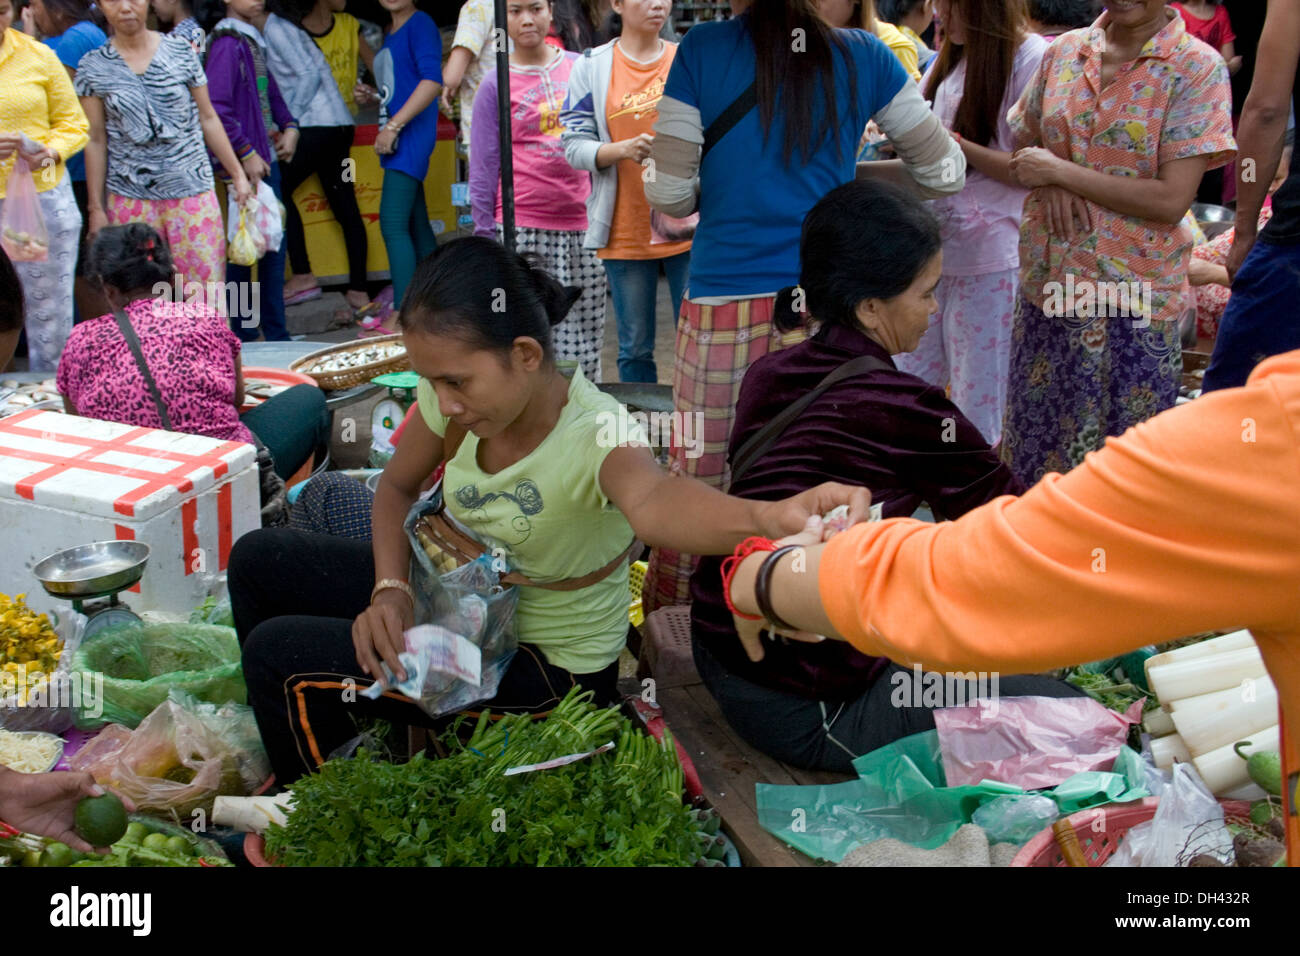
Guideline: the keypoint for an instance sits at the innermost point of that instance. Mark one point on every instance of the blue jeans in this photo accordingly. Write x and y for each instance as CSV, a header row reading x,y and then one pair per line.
x,y
1261,318
633,284
267,305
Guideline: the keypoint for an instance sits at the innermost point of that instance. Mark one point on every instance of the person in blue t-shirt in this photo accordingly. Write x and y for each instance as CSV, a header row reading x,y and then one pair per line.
x,y
814,88
408,71
72,28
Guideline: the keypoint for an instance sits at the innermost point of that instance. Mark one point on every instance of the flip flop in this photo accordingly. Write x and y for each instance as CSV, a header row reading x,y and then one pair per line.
x,y
375,332
306,295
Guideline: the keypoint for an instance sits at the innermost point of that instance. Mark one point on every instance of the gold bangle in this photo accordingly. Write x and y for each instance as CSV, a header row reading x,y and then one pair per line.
x,y
387,584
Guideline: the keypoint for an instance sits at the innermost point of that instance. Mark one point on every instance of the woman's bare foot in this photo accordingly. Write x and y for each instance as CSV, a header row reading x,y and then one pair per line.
x,y
297,284
357,298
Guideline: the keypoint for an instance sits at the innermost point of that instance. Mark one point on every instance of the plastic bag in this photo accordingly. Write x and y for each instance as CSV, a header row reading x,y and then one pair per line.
x,y
1032,742
22,224
901,792
1188,823
268,217
181,757
472,616
1016,819
141,665
51,704
244,242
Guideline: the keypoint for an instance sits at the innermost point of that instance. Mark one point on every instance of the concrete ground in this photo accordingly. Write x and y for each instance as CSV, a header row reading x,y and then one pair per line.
x,y
353,421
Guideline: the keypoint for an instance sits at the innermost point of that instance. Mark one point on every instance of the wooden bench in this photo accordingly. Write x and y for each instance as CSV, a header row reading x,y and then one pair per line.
x,y
728,767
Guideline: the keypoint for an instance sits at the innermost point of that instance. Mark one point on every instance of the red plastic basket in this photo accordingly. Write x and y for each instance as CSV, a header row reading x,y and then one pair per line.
x,y
1100,831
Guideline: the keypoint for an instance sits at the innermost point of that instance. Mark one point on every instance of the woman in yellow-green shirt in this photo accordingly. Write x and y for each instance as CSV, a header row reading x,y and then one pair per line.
x,y
551,474
38,103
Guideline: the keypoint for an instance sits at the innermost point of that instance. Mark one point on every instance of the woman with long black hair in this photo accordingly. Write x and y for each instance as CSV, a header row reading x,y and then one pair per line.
x,y
754,182
987,59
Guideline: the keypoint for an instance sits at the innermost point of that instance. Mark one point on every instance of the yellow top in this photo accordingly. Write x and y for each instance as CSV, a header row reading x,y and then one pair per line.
x,y
900,45
341,44
38,100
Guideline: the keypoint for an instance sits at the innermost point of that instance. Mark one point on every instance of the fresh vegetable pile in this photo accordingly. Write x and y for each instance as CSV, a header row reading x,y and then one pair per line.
x,y
27,641
146,842
619,807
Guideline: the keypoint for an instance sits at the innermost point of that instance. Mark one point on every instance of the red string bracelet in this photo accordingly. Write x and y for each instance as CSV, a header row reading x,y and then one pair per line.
x,y
731,564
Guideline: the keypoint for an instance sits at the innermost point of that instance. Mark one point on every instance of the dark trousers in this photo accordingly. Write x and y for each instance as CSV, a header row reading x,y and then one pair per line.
x,y
292,425
323,150
1262,318
294,597
827,735
267,313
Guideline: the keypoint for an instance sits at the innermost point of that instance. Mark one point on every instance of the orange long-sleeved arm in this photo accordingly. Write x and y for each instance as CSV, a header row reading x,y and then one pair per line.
x,y
1188,522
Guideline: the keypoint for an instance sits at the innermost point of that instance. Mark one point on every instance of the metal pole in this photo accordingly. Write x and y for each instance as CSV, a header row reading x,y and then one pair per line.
x,y
503,126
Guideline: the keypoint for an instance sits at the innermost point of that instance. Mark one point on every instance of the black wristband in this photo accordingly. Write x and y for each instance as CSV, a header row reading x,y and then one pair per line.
x,y
763,584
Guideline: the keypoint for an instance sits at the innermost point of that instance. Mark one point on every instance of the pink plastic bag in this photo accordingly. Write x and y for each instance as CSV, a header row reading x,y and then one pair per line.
x,y
1030,742
22,225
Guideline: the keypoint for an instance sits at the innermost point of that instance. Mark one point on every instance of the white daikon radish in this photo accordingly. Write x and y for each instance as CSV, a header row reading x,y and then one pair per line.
x,y
1215,645
1251,791
1157,723
1203,675
1223,771
254,814
1165,750
1226,717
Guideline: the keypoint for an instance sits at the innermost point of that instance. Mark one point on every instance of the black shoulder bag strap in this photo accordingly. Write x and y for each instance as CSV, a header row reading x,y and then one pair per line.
x,y
753,449
133,342
729,117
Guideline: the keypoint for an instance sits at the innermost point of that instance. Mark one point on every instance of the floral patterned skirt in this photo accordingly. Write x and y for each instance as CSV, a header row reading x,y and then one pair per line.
x,y
1074,381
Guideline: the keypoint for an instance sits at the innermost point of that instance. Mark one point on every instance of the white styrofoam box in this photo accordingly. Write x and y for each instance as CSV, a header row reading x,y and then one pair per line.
x,y
66,481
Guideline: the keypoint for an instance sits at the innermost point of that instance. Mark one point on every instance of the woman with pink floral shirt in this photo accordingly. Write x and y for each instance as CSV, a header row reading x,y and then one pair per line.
x,y
1115,131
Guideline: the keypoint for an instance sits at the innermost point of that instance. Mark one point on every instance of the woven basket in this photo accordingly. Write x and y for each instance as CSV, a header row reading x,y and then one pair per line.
x,y
349,378
1100,831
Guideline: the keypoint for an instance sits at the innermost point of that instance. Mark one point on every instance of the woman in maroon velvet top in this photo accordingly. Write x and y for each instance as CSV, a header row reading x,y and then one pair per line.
x,y
870,260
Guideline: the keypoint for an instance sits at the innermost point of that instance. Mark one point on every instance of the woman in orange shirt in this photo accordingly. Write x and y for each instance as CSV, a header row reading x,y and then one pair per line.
x,y
1183,524
610,111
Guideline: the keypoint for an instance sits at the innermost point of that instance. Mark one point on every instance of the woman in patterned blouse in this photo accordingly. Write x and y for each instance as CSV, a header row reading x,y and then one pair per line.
x,y
150,117
1116,130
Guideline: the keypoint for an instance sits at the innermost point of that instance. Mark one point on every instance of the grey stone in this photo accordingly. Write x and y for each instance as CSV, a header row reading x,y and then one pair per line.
x,y
323,314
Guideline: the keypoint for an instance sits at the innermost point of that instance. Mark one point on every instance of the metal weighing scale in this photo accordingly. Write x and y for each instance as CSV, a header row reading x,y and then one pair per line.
x,y
389,412
91,576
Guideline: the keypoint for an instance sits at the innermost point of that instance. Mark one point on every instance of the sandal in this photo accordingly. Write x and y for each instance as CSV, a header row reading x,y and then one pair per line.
x,y
306,295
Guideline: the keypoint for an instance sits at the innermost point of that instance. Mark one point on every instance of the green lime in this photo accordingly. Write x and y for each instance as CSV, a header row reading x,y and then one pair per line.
x,y
155,841
179,846
32,858
135,832
101,821
58,854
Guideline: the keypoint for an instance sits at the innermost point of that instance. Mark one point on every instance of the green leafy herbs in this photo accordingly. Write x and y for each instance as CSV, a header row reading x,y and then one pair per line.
x,y
1110,693
618,808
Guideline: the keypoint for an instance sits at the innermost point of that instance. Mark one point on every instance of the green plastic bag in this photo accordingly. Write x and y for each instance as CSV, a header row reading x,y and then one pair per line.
x,y
901,792
141,665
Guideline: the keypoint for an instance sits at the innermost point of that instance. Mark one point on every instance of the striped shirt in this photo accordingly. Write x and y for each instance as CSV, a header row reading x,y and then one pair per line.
x,y
155,142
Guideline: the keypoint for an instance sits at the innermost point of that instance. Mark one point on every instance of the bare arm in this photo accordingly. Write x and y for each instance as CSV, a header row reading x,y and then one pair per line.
x,y
378,632
214,134
1163,199
367,54
1263,121
689,516
426,92
8,343
993,163
96,163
